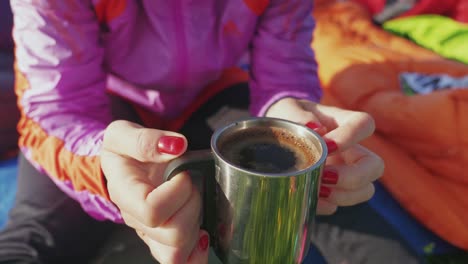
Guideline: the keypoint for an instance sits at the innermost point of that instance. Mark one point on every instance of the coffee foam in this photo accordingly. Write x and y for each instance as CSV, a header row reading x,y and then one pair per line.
x,y
305,152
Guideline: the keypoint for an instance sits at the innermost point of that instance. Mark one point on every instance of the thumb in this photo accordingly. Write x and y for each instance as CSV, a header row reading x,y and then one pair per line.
x,y
200,252
143,144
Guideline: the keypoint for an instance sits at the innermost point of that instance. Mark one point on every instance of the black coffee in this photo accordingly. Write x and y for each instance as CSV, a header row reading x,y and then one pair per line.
x,y
268,150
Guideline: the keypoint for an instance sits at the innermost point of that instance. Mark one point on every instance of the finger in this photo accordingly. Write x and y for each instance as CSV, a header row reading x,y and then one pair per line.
x,y
326,208
358,152
190,238
351,126
299,112
131,221
171,254
199,254
184,222
361,167
317,127
165,254
291,109
342,197
182,228
151,205
143,144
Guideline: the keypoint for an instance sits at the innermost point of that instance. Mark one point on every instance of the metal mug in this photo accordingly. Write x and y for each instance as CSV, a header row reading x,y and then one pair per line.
x,y
255,217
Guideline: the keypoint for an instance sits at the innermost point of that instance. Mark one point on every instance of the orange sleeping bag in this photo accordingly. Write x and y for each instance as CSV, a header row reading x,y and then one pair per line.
x,y
422,138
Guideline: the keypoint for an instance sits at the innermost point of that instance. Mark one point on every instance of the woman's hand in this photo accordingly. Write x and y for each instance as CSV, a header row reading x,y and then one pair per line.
x,y
350,169
165,214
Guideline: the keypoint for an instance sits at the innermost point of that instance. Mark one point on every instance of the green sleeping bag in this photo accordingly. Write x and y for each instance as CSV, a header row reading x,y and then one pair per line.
x,y
440,34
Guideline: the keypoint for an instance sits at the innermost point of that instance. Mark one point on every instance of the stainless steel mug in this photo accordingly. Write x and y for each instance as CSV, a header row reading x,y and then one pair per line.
x,y
255,217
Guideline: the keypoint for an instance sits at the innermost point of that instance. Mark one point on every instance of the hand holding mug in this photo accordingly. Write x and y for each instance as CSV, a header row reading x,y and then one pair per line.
x,y
260,179
165,214
350,169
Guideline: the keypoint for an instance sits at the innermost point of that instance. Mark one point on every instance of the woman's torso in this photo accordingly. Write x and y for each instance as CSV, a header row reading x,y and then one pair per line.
x,y
160,54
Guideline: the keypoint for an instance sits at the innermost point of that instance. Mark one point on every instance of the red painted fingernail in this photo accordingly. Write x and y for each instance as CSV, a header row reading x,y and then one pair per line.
x,y
171,145
203,242
313,125
331,145
324,191
330,177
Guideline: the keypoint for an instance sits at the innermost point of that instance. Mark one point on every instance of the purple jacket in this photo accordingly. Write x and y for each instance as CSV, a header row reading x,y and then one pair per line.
x,y
159,54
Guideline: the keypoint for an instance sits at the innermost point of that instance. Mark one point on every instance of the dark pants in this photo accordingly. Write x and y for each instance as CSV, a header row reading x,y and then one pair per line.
x,y
46,226
9,113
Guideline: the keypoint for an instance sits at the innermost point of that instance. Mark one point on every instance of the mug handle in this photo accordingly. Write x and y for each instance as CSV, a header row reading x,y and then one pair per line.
x,y
198,160
202,167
